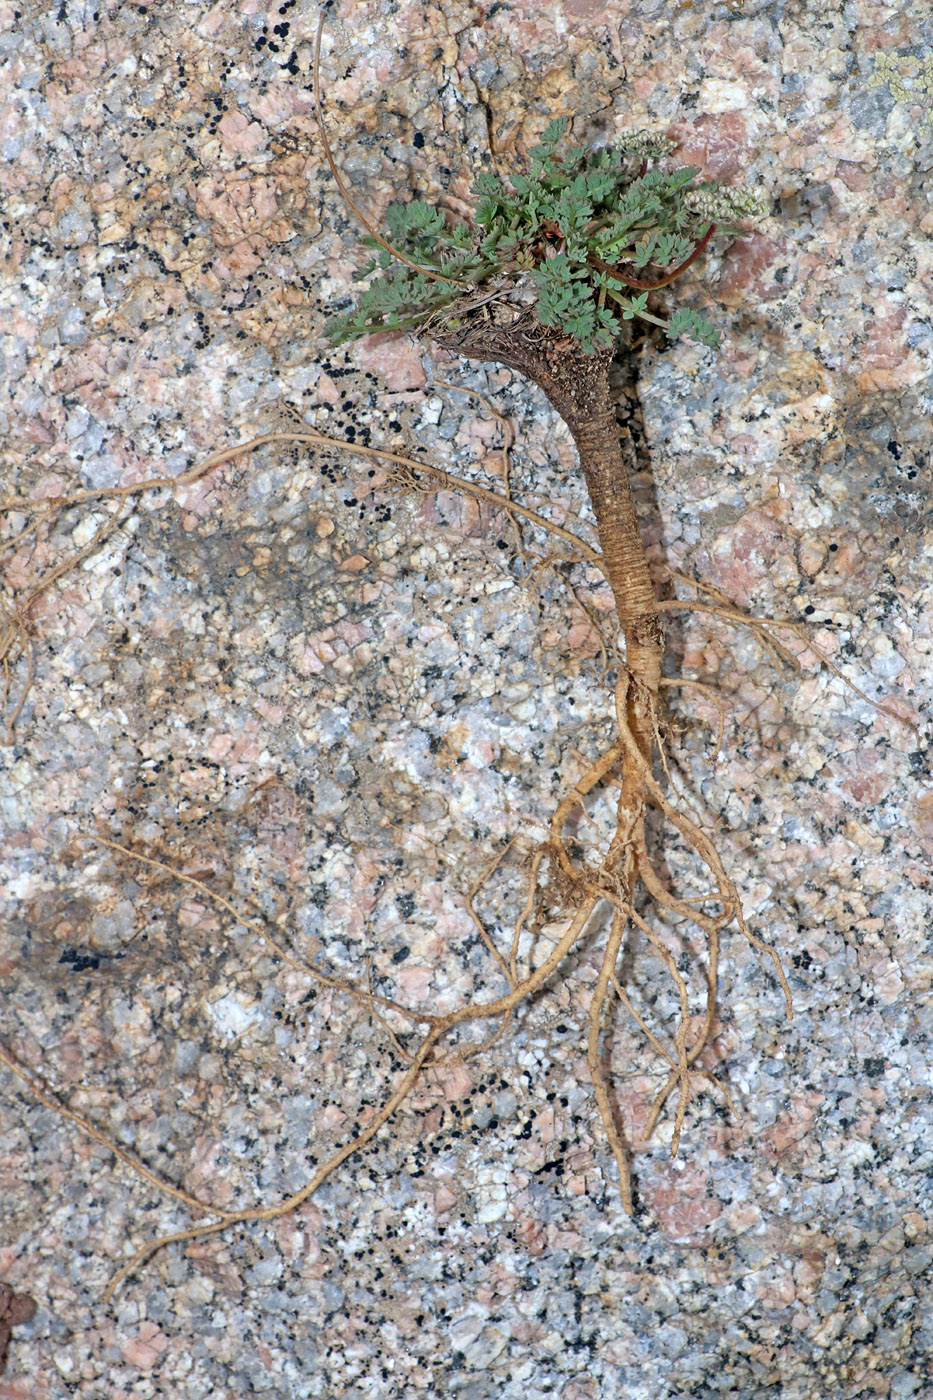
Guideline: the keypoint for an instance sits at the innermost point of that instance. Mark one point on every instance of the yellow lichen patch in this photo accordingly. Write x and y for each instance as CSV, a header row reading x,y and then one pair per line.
x,y
908,79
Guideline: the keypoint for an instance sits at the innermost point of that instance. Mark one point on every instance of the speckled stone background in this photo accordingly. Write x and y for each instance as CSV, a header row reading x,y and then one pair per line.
x,y
334,704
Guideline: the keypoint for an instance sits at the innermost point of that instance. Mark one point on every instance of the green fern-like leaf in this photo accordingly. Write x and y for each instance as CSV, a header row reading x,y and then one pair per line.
x,y
577,226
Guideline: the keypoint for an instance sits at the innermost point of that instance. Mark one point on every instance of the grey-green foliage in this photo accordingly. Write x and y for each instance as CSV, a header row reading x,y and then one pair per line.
x,y
551,227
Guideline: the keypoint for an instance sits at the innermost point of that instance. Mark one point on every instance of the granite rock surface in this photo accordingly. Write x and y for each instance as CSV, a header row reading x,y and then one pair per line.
x,y
332,704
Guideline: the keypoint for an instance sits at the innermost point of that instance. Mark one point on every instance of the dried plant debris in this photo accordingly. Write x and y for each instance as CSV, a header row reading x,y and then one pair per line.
x,y
15,1310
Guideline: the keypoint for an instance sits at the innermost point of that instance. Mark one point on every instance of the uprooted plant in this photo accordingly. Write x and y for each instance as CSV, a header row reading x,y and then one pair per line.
x,y
554,267
548,279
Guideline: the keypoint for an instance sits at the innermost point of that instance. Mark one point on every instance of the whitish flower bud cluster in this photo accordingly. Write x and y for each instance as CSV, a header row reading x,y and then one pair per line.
x,y
719,206
643,144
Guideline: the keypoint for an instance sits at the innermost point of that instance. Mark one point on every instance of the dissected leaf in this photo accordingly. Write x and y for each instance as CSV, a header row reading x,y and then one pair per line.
x,y
564,220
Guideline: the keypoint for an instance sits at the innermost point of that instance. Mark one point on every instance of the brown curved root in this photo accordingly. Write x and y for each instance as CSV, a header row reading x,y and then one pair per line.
x,y
617,879
502,1006
624,868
